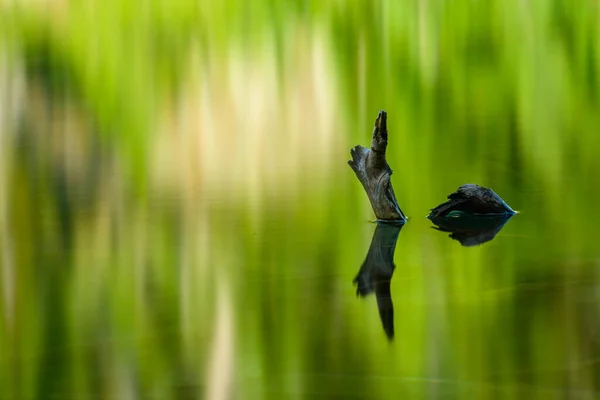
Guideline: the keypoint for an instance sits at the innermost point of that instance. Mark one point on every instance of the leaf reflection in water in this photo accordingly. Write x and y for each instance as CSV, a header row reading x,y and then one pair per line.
x,y
471,230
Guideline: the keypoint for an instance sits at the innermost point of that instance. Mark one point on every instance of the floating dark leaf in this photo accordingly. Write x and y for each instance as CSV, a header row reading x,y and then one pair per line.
x,y
472,199
473,215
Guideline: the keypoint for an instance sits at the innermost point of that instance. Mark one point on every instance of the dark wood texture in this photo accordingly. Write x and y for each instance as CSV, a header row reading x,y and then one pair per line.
x,y
372,170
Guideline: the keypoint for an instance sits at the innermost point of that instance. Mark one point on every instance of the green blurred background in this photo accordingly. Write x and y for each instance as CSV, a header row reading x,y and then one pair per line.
x,y
177,219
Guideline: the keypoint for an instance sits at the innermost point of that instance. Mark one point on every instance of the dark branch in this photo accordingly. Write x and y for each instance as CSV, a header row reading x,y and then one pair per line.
x,y
372,170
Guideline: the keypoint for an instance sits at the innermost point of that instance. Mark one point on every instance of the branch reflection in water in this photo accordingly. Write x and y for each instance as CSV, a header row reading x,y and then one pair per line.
x,y
375,274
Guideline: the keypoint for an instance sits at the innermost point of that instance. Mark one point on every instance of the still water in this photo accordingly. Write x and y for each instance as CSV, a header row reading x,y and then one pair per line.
x,y
177,218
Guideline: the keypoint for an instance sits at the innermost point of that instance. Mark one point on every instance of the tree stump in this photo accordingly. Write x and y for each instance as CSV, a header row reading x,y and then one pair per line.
x,y
373,171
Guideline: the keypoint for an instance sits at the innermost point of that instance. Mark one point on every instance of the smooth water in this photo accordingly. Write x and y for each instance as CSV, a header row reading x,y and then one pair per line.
x,y
177,218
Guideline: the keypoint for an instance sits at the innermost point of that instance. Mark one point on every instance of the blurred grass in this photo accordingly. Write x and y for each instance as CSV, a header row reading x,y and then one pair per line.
x,y
153,153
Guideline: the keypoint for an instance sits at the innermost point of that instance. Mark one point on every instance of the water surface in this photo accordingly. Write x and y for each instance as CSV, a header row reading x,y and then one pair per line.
x,y
177,218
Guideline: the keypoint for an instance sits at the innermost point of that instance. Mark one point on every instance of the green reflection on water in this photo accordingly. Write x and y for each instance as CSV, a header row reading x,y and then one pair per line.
x,y
178,219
